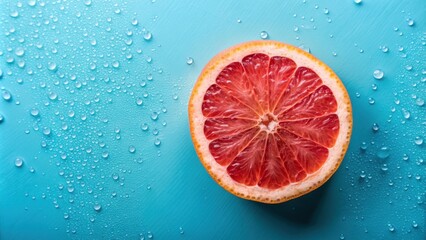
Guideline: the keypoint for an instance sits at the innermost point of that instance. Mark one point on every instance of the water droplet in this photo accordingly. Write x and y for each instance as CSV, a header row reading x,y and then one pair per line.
x,y
70,189
147,36
139,101
375,127
391,227
1,118
6,95
134,22
371,100
264,35
157,142
34,112
53,96
97,207
418,141
71,113
93,42
385,49
19,52
420,102
238,20
405,157
51,66
66,216
415,225
410,22
46,131
32,3
105,155
374,87
150,235
406,113
358,1
189,60
132,149
87,2
378,74
115,176
385,169
32,170
363,146
383,153
19,162
144,127
14,14
326,11
296,28
116,64
1,73
154,116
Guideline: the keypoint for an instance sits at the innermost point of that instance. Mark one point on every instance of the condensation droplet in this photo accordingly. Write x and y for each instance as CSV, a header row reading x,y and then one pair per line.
x,y
189,60
144,127
139,101
32,3
19,52
14,14
375,127
19,162
391,227
418,141
147,36
383,153
51,66
132,149
6,95
378,74
406,113
34,112
97,207
264,35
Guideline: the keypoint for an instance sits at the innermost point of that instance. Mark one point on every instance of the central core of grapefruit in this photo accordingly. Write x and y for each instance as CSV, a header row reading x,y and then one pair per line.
x,y
268,123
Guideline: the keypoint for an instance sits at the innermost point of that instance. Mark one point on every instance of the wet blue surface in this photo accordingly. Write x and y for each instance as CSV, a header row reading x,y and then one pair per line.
x,y
86,79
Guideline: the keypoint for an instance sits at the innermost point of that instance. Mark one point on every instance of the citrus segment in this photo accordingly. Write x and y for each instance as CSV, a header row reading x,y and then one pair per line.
x,y
232,79
222,127
256,71
280,73
269,121
225,149
218,103
322,130
318,103
303,82
245,168
274,173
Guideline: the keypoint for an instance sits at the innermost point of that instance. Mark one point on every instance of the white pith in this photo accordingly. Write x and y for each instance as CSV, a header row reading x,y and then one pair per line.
x,y
294,189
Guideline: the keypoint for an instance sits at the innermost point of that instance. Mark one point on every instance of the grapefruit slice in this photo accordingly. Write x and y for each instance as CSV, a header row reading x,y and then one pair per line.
x,y
269,121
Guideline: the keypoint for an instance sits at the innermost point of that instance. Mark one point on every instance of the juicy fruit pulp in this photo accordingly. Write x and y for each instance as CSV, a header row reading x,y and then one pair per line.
x,y
269,121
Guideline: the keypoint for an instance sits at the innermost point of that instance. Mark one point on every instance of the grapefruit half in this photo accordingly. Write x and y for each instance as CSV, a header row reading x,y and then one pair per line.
x,y
269,121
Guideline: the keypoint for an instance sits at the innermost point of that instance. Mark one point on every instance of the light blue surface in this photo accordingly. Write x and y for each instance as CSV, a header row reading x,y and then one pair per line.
x,y
163,192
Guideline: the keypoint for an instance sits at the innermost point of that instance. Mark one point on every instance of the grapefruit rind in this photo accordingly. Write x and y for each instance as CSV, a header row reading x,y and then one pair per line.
x,y
301,58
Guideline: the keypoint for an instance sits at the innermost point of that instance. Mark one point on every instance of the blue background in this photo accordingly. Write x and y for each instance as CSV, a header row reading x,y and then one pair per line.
x,y
161,190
